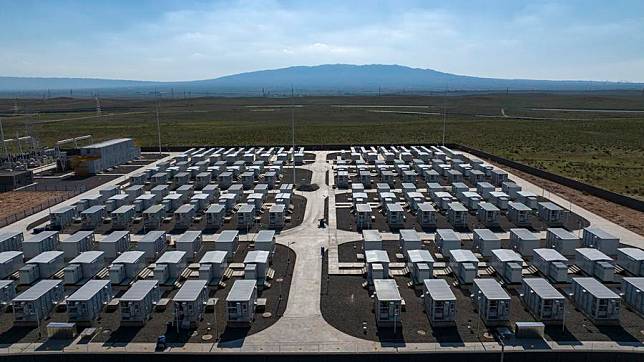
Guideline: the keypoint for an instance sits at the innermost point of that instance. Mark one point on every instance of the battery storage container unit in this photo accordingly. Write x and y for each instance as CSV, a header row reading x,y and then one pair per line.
x,y
144,201
240,303
499,177
83,267
169,266
276,216
41,242
457,214
551,264
212,266
562,240
488,214
409,240
447,240
190,242
116,201
77,243
551,213
484,241
499,199
228,200
600,304
200,202
420,264
190,303
42,266
85,305
173,201
595,263
256,266
484,189
228,241
510,188
597,238
246,216
7,292
518,213
371,240
137,304
138,179
215,216
184,216
632,260
153,244
186,190
202,179
36,303
543,300
114,244
10,262
265,240
92,217
426,215
159,178
440,302
377,265
283,198
123,216
508,264
160,191
153,216
11,241
212,191
524,241
493,303
464,265
633,292
62,217
126,267
388,303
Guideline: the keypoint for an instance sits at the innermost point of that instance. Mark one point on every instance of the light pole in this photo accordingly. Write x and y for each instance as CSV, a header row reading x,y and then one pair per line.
x,y
158,124
293,136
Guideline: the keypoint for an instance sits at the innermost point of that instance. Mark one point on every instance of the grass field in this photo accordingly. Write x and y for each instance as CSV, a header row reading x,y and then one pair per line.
x,y
602,147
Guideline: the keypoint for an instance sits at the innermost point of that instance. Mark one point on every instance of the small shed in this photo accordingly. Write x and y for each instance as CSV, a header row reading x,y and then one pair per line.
x,y
240,303
256,266
633,292
190,303
377,265
246,217
86,303
10,262
488,214
62,217
184,216
7,292
93,216
518,213
114,244
137,303
127,267
492,302
426,215
169,266
464,265
265,240
543,300
11,240
600,304
144,201
551,213
38,243
395,215
388,303
123,216
528,198
440,302
457,214
153,216
409,240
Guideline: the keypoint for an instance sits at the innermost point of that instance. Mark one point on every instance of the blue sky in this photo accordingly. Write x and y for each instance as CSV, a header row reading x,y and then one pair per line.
x,y
198,39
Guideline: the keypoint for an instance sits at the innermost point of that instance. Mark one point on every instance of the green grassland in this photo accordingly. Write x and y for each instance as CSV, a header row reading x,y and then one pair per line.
x,y
602,148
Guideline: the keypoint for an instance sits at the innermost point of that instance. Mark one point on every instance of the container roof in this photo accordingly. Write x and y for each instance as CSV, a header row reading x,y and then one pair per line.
x,y
438,289
543,289
171,257
394,207
77,236
600,233
87,257
524,234
447,234
491,289
256,257
107,143
124,209
190,290
419,256
184,209
265,236
457,206
88,290
242,290
139,290
129,257
507,255
227,236
463,256
37,238
637,282
371,235
637,254
426,206
189,236
45,257
215,208
386,290
488,206
518,206
8,255
38,290
152,236
246,208
154,209
550,206
486,234
93,209
409,235
563,233
376,256
114,236
548,254
277,208
214,257
594,287
593,254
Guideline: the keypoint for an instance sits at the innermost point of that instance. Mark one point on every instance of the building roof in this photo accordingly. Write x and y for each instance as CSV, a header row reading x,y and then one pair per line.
x,y
190,290
215,208
129,257
277,208
438,289
214,257
491,289
62,210
154,209
227,236
171,257
88,290
386,290
242,290
542,288
594,287
45,257
139,290
463,256
87,257
38,290
107,143
78,236
507,255
426,207
124,209
188,236
246,208
548,254
376,256
394,207
419,256
256,257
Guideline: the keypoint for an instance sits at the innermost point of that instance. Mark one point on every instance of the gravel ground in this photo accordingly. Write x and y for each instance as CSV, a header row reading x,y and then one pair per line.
x,y
160,323
347,306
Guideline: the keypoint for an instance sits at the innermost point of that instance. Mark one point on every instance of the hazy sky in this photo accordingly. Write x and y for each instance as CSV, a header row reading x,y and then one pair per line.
x,y
185,40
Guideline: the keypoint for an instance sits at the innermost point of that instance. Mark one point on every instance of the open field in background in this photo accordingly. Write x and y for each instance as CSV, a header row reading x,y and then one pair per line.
x,y
604,147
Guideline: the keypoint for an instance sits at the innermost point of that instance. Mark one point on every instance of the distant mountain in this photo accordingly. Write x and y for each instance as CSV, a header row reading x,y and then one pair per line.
x,y
329,78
